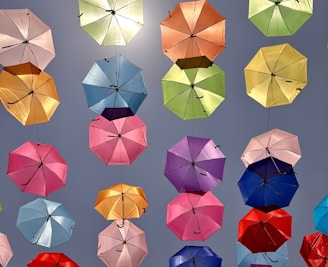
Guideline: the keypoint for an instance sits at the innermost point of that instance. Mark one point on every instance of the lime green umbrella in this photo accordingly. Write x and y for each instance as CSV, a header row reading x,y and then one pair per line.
x,y
279,17
193,93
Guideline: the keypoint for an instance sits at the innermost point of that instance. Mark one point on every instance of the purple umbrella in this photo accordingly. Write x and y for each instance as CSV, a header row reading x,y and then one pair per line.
x,y
194,164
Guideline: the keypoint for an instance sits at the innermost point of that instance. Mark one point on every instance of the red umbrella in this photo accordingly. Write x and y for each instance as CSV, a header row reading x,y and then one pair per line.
x,y
6,252
263,232
52,259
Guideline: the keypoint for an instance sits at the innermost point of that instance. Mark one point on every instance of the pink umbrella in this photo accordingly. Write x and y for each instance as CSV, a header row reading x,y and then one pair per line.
x,y
37,168
194,216
119,141
6,252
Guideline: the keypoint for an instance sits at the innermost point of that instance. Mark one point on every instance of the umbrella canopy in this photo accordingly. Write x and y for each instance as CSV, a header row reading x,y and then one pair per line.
x,y
197,256
45,223
194,164
116,113
28,93
24,38
6,252
191,30
118,142
276,75
37,168
279,17
194,216
121,201
114,82
111,22
193,93
273,143
52,259
268,184
320,216
263,232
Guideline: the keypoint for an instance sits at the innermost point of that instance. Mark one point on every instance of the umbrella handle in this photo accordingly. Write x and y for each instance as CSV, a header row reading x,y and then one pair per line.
x,y
265,253
120,225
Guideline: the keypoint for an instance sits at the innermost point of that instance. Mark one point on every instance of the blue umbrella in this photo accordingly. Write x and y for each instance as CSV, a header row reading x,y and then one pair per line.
x,y
114,82
268,184
320,216
45,223
195,256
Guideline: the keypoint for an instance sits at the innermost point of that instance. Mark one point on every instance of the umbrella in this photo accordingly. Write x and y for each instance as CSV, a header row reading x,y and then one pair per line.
x,y
52,259
45,223
273,143
197,256
114,82
314,249
263,232
24,38
193,93
37,168
194,216
111,22
6,252
279,17
277,258
276,75
121,201
194,164
191,30
28,93
268,184
320,216
117,142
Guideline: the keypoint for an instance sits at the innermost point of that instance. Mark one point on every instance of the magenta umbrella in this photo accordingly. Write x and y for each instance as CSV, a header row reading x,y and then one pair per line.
x,y
6,252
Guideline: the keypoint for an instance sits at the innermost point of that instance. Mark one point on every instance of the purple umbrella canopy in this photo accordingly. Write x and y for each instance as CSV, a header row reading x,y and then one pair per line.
x,y
194,164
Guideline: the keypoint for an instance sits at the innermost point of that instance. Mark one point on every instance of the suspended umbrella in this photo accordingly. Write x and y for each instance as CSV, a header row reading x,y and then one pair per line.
x,y
52,259
6,252
194,164
194,216
114,82
193,34
28,93
320,216
276,75
193,93
118,142
279,17
37,168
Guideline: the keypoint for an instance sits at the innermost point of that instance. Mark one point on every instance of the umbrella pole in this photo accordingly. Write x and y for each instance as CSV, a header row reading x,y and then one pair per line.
x,y
273,161
268,234
122,224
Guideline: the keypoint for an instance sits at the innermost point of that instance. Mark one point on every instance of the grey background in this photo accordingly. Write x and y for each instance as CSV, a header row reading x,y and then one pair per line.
x,y
231,126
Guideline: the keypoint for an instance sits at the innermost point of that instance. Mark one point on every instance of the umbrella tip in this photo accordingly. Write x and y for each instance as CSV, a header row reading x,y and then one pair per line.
x,y
80,15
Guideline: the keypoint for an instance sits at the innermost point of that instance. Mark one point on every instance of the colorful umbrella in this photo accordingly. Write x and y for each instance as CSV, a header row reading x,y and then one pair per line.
x,y
279,17
193,93
52,259
122,246
118,142
111,22
6,252
37,168
24,38
194,216
263,232
191,30
194,164
273,143
121,201
320,216
276,75
45,223
114,82
28,93
195,256
268,184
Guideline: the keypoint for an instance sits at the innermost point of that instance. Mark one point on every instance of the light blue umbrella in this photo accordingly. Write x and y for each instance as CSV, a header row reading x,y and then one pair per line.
x,y
45,223
320,216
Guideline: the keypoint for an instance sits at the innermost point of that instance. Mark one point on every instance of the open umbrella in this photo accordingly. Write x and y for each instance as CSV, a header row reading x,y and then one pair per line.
x,y
6,252
114,82
276,75
279,17
28,93
24,38
118,142
52,259
194,164
320,216
273,143
45,223
194,216
37,168
192,30
263,232
111,22
193,93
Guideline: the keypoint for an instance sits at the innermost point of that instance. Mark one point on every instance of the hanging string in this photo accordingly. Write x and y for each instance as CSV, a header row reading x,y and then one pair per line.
x,y
268,119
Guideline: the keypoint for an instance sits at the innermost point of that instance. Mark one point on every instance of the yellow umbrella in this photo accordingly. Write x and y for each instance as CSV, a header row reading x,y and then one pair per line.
x,y
276,75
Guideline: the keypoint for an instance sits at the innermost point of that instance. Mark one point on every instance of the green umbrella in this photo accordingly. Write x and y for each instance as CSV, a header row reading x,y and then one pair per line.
x,y
193,93
279,17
